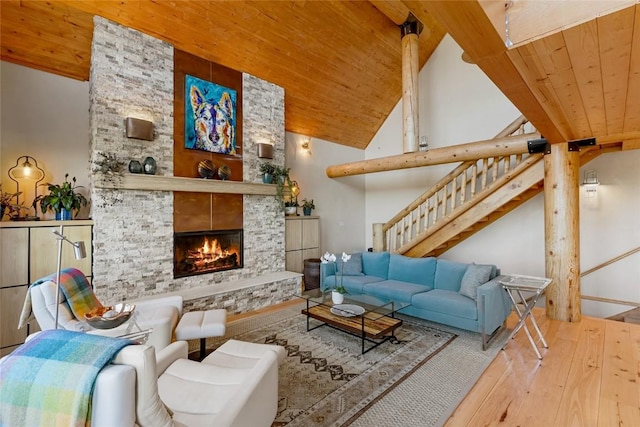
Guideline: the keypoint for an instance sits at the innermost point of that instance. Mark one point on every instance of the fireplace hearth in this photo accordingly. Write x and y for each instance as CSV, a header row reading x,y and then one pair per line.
x,y
200,252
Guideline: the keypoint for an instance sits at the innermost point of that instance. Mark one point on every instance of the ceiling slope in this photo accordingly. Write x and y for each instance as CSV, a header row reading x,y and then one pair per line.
x,y
577,82
338,61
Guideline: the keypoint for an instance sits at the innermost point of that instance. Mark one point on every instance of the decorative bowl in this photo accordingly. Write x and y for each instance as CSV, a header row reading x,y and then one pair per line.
x,y
206,169
109,317
224,172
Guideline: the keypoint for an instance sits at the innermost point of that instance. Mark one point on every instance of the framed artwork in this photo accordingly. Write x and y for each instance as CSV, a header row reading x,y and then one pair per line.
x,y
210,116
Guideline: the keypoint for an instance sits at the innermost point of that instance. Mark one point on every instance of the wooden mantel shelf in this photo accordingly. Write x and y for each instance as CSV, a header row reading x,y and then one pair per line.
x,y
174,183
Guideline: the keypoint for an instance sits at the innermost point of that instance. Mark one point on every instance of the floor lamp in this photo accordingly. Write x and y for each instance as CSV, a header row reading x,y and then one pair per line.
x,y
79,252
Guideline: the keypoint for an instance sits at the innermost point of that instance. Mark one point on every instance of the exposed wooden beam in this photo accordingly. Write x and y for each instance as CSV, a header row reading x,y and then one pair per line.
x,y
457,153
532,19
468,24
396,11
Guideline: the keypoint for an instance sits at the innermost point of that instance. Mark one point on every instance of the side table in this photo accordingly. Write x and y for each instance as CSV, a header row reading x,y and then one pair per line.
x,y
515,285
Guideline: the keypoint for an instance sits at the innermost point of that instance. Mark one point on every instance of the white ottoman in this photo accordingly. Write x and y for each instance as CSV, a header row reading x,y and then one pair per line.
x,y
202,325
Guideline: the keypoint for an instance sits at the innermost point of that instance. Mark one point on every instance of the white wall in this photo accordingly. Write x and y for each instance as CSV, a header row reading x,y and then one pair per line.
x,y
459,104
44,116
339,202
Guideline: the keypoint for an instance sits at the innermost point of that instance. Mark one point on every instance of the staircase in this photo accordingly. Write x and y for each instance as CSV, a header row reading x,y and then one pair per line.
x,y
472,196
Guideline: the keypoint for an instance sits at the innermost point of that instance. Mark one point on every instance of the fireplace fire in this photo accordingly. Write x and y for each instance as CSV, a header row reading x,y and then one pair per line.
x,y
202,252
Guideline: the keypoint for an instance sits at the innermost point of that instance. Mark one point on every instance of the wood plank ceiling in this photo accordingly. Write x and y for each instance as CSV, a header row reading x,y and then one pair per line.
x,y
340,61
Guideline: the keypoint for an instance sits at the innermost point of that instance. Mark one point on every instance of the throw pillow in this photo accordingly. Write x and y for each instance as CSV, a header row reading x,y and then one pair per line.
x,y
475,276
353,267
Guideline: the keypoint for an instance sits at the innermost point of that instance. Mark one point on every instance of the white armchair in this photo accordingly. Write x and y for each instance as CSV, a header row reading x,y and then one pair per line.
x,y
161,314
235,386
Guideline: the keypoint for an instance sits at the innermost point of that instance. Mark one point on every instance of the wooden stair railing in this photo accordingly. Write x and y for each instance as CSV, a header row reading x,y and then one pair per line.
x,y
604,264
472,196
452,194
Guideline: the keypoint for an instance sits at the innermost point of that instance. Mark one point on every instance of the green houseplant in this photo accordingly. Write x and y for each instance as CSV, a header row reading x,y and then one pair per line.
x,y
307,206
6,200
281,178
268,171
63,199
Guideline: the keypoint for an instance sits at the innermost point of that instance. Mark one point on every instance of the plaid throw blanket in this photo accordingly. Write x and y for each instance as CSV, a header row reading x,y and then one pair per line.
x,y
76,289
49,380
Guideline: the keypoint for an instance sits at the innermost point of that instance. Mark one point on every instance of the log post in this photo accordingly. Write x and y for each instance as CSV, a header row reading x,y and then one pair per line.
x,y
562,232
378,237
410,30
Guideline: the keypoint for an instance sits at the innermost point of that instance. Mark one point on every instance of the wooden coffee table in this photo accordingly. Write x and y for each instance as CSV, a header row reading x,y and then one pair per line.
x,y
371,319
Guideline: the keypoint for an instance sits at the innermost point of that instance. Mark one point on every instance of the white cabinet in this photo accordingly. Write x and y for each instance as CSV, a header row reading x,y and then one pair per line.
x,y
302,241
29,251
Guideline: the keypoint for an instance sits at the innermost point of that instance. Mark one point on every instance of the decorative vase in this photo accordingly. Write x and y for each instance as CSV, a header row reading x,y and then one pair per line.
x,y
135,166
63,215
149,166
224,172
337,297
290,210
267,178
206,169
306,211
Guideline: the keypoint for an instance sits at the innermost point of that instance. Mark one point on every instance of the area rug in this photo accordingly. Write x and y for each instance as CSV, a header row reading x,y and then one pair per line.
x,y
324,380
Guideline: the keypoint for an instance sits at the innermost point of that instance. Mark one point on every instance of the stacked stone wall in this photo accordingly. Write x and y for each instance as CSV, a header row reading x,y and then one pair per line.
x,y
132,75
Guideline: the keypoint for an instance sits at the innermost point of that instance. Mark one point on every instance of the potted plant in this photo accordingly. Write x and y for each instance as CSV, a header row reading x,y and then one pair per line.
x,y
291,207
281,178
63,199
338,291
307,206
6,200
268,171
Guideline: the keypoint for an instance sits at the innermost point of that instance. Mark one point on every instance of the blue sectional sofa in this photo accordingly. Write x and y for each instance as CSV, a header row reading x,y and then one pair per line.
x,y
466,296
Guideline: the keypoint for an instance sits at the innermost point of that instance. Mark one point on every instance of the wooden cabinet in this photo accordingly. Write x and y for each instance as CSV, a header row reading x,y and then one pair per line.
x,y
302,241
29,251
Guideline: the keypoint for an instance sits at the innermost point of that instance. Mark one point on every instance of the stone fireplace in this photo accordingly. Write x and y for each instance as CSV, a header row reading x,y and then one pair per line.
x,y
200,252
134,226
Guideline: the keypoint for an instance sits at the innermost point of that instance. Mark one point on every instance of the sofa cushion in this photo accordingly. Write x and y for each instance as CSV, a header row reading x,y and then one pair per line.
x,y
353,267
376,264
353,284
449,275
394,290
413,270
475,276
447,302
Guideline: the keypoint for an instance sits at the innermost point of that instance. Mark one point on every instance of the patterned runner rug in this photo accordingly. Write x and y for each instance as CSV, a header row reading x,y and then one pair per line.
x,y
324,380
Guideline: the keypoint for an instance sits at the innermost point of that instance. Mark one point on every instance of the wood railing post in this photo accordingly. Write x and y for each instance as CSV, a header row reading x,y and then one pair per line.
x,y
378,238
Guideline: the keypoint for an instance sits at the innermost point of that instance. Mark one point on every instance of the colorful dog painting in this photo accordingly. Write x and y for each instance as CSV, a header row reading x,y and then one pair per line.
x,y
210,116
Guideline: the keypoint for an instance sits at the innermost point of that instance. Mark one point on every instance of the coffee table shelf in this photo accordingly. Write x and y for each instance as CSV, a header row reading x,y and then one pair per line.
x,y
375,326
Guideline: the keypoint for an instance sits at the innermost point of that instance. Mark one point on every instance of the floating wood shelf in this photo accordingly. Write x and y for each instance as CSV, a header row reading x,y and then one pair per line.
x,y
198,185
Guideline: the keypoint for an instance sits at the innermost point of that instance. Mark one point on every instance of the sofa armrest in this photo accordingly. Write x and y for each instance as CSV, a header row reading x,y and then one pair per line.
x,y
328,269
493,305
150,411
113,400
171,353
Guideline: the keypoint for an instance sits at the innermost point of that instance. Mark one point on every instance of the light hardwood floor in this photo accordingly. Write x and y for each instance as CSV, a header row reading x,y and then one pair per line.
x,y
589,376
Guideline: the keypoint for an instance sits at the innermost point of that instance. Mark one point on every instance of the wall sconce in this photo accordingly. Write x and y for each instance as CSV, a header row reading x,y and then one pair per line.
x,y
306,146
265,151
138,128
590,182
26,170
